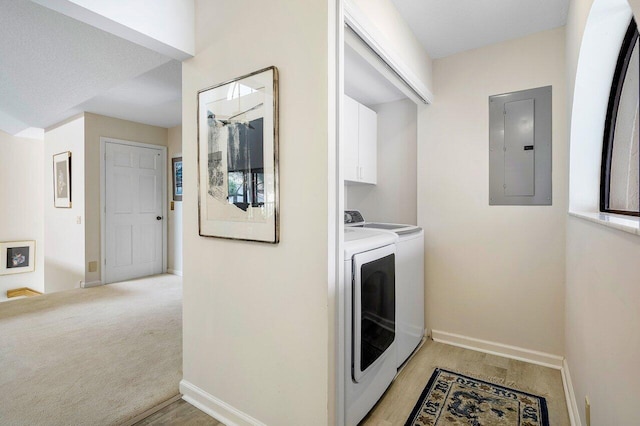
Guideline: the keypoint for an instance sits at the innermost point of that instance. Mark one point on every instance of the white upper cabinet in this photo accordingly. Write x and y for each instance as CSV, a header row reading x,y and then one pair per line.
x,y
360,144
367,144
350,152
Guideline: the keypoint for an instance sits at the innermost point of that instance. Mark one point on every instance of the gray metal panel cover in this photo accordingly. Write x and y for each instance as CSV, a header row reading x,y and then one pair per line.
x,y
520,148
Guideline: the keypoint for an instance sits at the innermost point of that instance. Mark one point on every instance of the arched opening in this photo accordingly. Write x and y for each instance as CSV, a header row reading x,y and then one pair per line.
x,y
603,35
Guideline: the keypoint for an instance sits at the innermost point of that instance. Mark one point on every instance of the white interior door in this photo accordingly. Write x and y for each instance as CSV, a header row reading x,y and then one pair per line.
x,y
134,222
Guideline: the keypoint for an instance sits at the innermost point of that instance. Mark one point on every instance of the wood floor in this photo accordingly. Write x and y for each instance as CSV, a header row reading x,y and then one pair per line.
x,y
180,413
397,403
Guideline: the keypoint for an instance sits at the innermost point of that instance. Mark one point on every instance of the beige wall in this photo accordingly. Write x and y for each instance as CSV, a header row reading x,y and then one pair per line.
x,y
492,272
97,126
21,208
256,321
64,236
174,237
602,344
393,199
602,295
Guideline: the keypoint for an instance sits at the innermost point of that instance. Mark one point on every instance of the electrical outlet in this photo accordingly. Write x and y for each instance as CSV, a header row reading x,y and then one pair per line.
x,y
93,266
587,410
79,220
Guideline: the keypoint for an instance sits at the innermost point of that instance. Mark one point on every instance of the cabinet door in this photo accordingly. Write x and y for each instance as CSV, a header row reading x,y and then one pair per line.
x,y
368,146
350,145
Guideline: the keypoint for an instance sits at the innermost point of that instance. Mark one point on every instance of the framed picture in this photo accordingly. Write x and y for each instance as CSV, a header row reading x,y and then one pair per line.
x,y
238,158
176,166
17,257
62,180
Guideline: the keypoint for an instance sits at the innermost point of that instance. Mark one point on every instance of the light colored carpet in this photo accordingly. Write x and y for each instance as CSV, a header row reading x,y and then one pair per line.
x,y
96,356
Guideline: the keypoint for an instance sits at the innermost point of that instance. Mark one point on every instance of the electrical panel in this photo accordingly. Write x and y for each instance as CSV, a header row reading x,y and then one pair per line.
x,y
520,148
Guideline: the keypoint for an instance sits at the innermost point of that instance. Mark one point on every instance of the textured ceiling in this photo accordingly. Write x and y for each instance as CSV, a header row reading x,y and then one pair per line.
x,y
153,98
446,27
51,64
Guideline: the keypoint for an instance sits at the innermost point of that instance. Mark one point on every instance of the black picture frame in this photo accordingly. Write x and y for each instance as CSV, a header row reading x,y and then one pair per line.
x,y
62,180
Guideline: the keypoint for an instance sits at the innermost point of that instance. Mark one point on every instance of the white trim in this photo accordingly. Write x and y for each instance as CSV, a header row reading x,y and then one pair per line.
x,y
572,405
354,41
630,224
103,150
215,407
91,284
174,272
336,228
370,34
493,348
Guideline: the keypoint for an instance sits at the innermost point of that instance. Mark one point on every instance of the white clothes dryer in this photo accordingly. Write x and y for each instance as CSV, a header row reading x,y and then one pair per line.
x,y
366,322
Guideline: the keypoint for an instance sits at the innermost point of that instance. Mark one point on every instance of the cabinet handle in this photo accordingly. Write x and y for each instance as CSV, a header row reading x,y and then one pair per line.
x,y
360,173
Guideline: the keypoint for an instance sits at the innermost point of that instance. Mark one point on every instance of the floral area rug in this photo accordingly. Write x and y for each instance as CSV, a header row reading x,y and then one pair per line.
x,y
454,399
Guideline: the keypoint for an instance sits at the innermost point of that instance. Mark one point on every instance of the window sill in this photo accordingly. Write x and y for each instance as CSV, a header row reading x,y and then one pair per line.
x,y
628,224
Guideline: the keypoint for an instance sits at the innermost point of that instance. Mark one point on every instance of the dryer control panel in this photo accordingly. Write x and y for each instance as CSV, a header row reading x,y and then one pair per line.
x,y
352,216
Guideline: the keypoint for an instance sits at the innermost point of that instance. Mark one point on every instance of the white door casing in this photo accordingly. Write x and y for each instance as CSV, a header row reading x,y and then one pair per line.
x,y
133,210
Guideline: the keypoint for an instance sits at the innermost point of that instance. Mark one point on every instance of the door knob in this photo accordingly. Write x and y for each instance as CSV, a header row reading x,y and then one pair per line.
x,y
158,217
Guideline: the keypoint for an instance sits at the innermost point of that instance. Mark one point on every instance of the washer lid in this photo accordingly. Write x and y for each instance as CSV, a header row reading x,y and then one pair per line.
x,y
398,228
358,240
353,218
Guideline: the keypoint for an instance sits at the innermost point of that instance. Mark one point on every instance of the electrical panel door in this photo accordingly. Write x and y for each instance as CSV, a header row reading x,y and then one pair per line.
x,y
520,148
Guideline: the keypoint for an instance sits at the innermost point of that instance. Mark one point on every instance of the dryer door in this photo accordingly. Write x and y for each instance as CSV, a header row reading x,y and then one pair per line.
x,y
374,308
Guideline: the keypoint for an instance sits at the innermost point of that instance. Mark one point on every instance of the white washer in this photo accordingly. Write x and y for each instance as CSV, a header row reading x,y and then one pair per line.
x,y
409,280
366,322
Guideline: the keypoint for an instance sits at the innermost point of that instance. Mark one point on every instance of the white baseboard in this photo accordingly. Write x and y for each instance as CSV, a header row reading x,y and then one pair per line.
x,y
507,351
570,396
214,407
174,272
91,284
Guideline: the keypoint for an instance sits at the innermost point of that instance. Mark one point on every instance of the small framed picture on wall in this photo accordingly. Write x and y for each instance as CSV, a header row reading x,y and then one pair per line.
x,y
17,257
62,180
177,178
